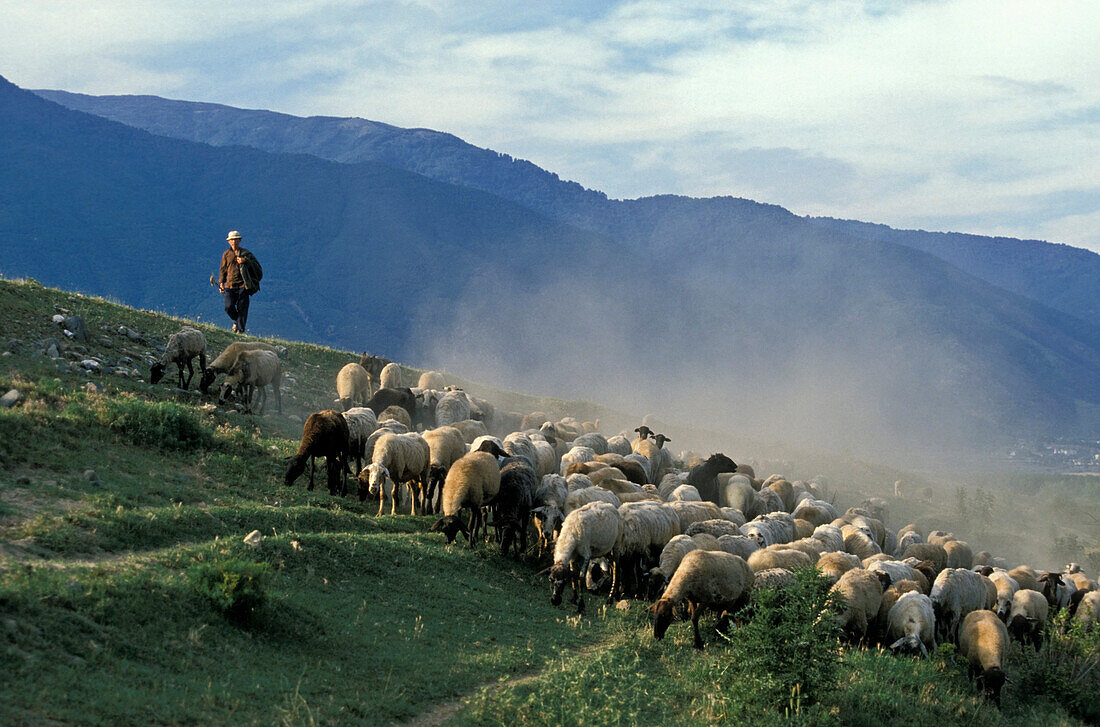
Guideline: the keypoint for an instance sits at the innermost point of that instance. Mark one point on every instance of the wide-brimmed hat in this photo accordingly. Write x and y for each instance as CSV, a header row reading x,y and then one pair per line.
x,y
233,235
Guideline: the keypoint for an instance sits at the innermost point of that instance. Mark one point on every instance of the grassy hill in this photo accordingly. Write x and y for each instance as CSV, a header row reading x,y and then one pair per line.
x,y
123,513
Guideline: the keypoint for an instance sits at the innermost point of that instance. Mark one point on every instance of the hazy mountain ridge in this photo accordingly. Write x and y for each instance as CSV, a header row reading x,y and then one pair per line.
x,y
1056,275
737,314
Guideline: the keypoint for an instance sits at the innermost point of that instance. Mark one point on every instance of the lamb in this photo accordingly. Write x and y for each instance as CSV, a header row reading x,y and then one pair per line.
x,y
445,446
404,459
253,371
472,481
352,386
955,593
983,641
861,591
549,510
911,624
390,377
324,434
1027,616
513,503
579,498
705,476
836,563
705,579
590,531
181,349
226,359
647,527
787,558
361,424
430,380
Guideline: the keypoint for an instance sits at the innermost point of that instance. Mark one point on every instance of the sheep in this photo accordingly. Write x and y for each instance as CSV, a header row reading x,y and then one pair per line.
x,y
734,515
647,527
911,624
705,579
775,578
324,434
1026,576
549,510
352,386
361,424
647,467
471,429
738,545
940,537
819,512
513,503
983,641
445,446
1057,590
1088,610
830,536
787,558
453,407
705,476
959,554
669,483
691,512
618,444
813,548
252,372
430,380
403,397
547,458
590,531
472,481
630,469
927,551
403,459
771,529
905,540
785,492
686,493
579,498
390,376
901,571
861,592
671,555
181,349
397,414
373,365
955,593
834,564
717,527
596,442
576,455
518,444
1082,581
1027,616
578,482
1006,589
226,359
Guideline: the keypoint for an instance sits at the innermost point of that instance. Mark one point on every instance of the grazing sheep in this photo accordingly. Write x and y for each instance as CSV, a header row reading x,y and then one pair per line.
x,y
811,547
181,349
940,537
405,459
471,429
396,414
861,592
361,424
579,482
590,531
686,493
775,578
576,455
579,498
1026,576
834,564
905,540
831,537
890,596
453,407
472,481
927,551
390,376
547,458
513,503
549,510
430,380
955,593
705,476
1027,616
647,528
445,446
705,579
959,554
352,386
901,571
983,641
226,359
596,442
251,374
1057,590
619,445
734,515
1088,610
787,558
1006,589
738,545
671,555
911,624
324,434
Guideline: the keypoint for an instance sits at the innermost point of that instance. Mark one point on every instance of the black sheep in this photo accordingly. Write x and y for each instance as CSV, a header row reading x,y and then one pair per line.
x,y
513,503
325,434
704,477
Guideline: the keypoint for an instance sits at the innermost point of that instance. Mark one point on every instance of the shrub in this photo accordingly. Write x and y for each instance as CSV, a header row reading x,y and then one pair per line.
x,y
234,587
162,424
1066,669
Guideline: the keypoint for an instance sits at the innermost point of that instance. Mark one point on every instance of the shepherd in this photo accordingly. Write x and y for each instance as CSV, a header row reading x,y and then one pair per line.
x,y
238,279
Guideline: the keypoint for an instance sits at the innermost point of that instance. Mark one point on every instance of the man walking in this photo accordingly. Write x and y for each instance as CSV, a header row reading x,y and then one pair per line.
x,y
231,282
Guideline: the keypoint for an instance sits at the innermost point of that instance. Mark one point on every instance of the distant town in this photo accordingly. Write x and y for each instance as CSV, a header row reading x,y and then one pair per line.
x,y
1076,456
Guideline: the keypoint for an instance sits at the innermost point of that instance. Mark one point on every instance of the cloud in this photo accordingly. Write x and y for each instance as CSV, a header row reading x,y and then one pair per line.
x,y
891,112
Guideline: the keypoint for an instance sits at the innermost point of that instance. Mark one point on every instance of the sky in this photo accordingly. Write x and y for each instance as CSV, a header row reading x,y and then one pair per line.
x,y
956,115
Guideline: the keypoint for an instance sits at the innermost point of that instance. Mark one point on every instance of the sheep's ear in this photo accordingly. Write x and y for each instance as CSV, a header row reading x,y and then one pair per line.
x,y
897,644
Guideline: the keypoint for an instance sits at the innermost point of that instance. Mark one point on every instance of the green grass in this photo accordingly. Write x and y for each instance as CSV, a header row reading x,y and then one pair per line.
x,y
105,618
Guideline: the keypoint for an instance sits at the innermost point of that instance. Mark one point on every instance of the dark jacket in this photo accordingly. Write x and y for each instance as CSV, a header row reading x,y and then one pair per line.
x,y
244,275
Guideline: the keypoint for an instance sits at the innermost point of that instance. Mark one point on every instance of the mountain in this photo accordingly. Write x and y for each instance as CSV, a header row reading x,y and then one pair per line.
x,y
742,316
1059,276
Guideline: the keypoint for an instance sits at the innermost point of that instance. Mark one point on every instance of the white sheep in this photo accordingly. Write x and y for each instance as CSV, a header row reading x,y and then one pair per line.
x,y
361,424
590,531
579,498
576,455
693,512
647,527
907,539
819,512
618,444
959,554
1006,590
471,483
861,592
577,481
454,407
390,378
1088,610
181,349
671,555
686,493
352,386
226,359
252,373
549,509
738,545
471,429
1027,616
955,593
706,580
911,624
429,380
836,563
717,527
830,536
786,558
403,459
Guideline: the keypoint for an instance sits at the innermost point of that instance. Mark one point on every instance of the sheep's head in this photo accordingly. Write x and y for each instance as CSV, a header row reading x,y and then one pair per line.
x,y
559,574
451,526
548,519
990,682
492,448
719,462
207,378
662,616
156,373
910,645
376,478
644,432
660,439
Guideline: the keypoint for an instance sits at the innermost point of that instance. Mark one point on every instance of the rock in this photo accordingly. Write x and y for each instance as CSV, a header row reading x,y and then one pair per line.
x,y
254,538
58,319
134,335
623,605
77,326
23,480
105,342
52,351
90,475
91,364
9,399
126,360
93,388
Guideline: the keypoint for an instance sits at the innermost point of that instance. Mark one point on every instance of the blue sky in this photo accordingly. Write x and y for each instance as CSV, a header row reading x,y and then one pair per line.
x,y
956,115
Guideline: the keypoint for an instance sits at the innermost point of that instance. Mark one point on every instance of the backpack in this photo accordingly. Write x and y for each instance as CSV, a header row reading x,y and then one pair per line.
x,y
252,273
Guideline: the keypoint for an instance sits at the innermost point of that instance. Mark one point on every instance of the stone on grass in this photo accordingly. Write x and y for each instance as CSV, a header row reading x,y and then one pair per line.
x,y
9,399
253,538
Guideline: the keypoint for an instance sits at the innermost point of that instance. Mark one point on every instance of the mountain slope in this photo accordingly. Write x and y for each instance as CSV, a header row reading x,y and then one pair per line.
x,y
740,316
1058,276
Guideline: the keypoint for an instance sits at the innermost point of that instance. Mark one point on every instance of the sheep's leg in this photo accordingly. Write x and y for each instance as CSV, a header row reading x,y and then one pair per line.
x,y
579,588
278,395
312,466
262,396
616,578
696,612
396,495
190,375
475,526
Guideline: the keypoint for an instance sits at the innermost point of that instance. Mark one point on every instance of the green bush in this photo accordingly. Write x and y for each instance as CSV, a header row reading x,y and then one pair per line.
x,y
234,587
162,424
1066,669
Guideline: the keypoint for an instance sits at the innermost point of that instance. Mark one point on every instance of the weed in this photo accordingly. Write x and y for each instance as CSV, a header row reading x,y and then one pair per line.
x,y
234,587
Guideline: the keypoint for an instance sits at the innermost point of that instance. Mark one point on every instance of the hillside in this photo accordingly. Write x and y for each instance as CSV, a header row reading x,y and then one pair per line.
x,y
734,315
115,494
1058,276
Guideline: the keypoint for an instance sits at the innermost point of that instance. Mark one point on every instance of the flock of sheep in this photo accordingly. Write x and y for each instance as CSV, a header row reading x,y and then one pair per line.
x,y
622,513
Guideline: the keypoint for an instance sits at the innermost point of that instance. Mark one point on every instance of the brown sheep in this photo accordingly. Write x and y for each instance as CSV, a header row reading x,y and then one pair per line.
x,y
324,434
